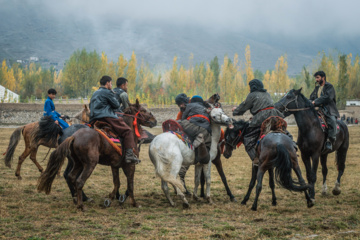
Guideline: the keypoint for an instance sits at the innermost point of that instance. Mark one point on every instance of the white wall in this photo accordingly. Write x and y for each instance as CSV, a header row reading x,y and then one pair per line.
x,y
10,95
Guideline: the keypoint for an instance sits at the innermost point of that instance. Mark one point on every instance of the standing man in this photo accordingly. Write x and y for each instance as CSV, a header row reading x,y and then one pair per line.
x,y
49,109
121,93
103,105
324,97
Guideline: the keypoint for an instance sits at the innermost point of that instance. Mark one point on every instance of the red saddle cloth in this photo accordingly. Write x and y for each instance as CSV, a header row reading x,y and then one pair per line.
x,y
323,123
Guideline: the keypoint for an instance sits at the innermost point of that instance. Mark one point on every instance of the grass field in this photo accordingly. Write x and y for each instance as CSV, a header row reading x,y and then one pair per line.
x,y
27,214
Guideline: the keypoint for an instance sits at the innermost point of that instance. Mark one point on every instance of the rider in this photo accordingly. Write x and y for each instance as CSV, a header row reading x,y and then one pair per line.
x,y
261,106
121,93
181,100
103,105
324,97
49,109
196,124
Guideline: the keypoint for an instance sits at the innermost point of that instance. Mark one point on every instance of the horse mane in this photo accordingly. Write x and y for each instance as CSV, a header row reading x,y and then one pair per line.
x,y
308,103
47,131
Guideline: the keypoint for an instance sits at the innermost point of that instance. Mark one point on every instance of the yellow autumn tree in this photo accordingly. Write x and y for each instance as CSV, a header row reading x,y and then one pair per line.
x,y
248,68
131,76
121,66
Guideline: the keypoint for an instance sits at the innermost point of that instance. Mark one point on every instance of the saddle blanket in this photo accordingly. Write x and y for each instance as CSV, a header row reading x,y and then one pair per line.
x,y
324,125
183,137
114,142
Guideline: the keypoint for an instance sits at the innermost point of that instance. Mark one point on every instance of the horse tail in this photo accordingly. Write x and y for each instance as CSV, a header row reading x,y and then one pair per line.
x,y
14,140
283,167
162,168
48,131
56,160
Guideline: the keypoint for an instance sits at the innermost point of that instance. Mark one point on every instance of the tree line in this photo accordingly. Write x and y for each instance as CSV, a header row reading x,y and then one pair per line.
x,y
229,77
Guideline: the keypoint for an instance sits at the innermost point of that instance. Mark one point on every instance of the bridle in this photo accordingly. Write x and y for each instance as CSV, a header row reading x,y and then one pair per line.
x,y
235,141
297,109
138,115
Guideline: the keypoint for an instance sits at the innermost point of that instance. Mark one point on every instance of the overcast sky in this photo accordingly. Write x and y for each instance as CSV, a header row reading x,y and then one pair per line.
x,y
307,18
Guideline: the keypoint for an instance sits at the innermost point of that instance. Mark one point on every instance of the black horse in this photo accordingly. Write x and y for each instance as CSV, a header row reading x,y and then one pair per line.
x,y
311,139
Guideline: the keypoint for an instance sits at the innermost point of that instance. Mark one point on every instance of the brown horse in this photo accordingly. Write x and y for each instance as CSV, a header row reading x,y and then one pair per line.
x,y
44,132
88,148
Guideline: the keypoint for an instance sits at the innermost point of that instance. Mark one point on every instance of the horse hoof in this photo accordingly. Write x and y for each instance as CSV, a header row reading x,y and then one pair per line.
x,y
107,202
323,193
233,199
122,198
196,198
209,200
188,194
186,205
243,203
19,177
336,191
253,208
89,200
274,203
310,204
82,208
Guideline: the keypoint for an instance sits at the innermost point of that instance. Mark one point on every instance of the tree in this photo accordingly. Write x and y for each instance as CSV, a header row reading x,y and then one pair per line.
x,y
248,68
132,74
342,82
215,68
121,66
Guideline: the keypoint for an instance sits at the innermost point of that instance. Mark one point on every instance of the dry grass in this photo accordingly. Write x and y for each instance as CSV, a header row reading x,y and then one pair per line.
x,y
26,214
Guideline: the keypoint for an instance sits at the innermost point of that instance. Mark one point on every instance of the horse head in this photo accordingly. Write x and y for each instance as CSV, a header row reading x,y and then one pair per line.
x,y
292,102
144,116
233,136
217,115
85,114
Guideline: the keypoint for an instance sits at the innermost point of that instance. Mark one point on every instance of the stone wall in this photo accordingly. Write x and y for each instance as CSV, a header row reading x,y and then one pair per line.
x,y
23,113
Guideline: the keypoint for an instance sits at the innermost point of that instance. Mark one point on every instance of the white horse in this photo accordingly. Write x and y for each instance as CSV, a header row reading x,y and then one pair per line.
x,y
168,153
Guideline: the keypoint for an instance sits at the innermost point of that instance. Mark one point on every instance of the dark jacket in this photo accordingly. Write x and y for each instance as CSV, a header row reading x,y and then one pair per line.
x,y
122,98
197,108
326,100
103,104
255,102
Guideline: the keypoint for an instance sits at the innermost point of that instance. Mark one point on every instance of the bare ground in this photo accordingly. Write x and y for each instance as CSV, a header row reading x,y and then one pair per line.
x,y
26,214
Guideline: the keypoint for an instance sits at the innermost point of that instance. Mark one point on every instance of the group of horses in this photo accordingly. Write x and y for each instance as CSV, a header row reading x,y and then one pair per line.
x,y
85,148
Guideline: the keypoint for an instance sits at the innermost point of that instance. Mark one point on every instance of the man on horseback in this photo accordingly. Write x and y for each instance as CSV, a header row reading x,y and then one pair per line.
x,y
103,105
324,97
261,106
181,100
195,121
121,93
49,109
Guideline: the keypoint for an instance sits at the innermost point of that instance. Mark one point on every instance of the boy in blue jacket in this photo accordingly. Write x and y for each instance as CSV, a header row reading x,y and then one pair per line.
x,y
49,109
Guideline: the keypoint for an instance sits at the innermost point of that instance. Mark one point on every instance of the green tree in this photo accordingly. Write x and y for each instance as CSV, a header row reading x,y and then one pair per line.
x,y
342,82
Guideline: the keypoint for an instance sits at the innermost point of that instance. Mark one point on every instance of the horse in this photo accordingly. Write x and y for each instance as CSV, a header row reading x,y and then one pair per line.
x,y
311,139
276,151
168,153
44,132
87,148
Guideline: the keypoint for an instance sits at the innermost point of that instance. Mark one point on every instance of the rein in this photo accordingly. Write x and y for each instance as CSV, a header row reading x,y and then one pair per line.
x,y
297,109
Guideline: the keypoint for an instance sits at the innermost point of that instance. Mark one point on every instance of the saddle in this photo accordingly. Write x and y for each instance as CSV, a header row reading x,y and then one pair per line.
x,y
323,123
109,134
175,128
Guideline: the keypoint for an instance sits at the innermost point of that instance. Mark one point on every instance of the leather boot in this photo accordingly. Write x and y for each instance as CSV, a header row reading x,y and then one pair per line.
x,y
329,144
130,157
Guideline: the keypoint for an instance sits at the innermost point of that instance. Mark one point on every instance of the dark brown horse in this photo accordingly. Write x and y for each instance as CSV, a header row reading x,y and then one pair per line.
x,y
276,151
44,132
88,148
311,139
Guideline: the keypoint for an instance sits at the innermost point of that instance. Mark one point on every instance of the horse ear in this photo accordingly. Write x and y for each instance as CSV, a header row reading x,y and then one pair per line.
x,y
137,103
298,91
85,107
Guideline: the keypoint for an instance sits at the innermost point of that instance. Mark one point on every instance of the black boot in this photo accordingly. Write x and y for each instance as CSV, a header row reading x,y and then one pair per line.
x,y
130,157
329,144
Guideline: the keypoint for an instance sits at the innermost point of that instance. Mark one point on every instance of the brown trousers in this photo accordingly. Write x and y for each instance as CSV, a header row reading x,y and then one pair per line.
x,y
122,130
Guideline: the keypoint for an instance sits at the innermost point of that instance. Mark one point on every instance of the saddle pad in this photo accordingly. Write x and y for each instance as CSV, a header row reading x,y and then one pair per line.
x,y
183,137
323,123
114,142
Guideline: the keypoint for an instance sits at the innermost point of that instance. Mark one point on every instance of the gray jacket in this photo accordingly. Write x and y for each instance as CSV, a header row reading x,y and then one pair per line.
x,y
255,102
327,99
197,108
103,104
122,97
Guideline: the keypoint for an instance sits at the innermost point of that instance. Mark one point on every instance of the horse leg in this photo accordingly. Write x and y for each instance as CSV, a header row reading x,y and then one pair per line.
x,y
315,164
217,162
260,175
129,171
198,171
116,181
182,174
80,181
22,158
272,186
165,188
33,158
323,159
207,173
307,163
340,162
73,174
254,170
297,170
202,184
